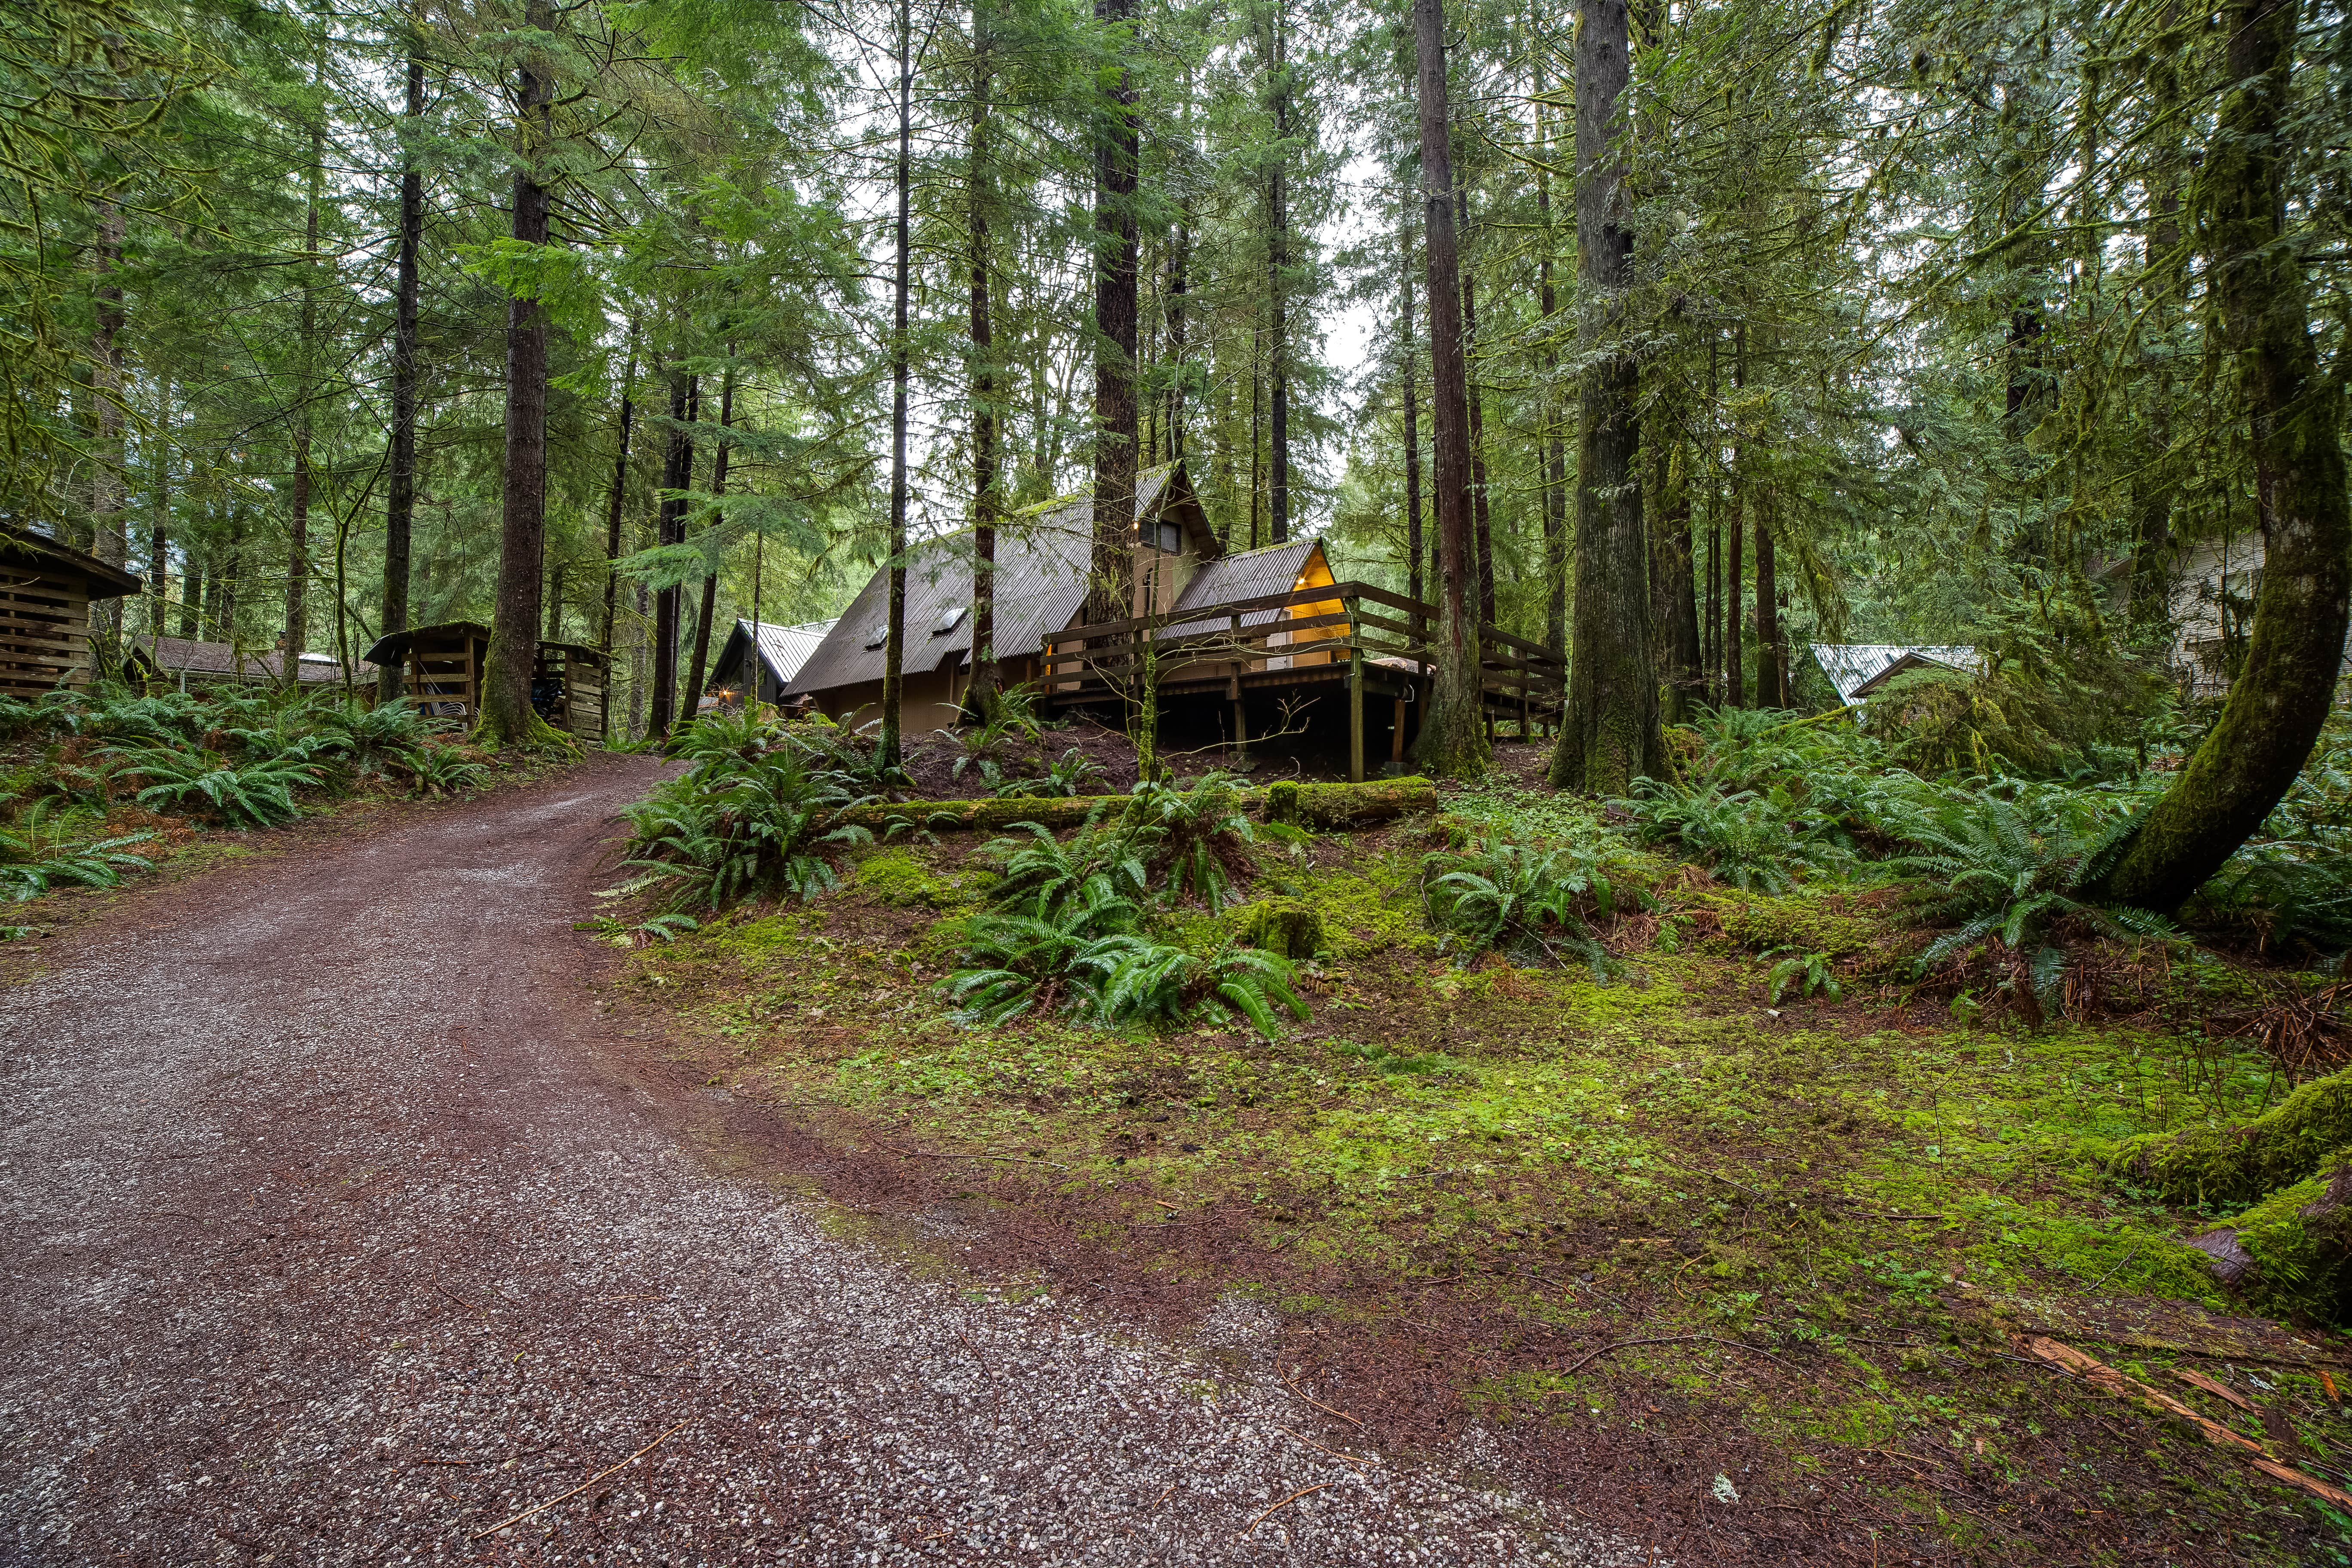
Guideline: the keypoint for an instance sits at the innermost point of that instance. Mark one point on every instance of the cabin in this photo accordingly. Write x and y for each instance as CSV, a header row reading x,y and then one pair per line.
x,y
1858,669
1043,557
1226,642
441,668
46,592
759,661
189,662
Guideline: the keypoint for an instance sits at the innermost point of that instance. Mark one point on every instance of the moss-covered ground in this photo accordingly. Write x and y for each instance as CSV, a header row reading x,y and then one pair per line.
x,y
1677,1241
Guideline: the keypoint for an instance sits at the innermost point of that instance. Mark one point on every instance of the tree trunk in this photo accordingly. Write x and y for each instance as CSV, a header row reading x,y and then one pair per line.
x,y
1551,454
1452,743
980,696
678,474
1735,664
1413,542
1112,591
693,705
110,495
400,503
1768,618
297,523
1479,510
159,536
616,499
2275,709
1278,258
1609,734
507,716
1675,603
2165,274
887,748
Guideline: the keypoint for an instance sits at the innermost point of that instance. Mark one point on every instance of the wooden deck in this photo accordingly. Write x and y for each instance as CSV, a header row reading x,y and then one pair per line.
x,y
1376,643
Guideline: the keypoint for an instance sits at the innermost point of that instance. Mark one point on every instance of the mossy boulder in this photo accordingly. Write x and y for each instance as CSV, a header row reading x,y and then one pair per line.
x,y
2241,1164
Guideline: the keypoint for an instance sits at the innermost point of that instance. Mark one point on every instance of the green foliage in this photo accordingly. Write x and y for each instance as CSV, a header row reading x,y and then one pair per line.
x,y
1995,871
42,850
1526,900
1806,973
2239,1163
1196,840
755,814
1747,838
258,794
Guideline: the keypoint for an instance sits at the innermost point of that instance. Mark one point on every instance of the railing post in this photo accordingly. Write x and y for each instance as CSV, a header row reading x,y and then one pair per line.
x,y
1355,715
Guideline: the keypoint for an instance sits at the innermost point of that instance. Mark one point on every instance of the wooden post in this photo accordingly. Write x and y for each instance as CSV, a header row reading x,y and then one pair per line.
x,y
1396,740
1355,715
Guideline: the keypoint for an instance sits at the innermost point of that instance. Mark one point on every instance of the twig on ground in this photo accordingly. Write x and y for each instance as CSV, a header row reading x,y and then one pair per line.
x,y
1164,1497
459,1300
1663,1339
1312,1443
582,1487
1285,1502
1290,1382
2116,1269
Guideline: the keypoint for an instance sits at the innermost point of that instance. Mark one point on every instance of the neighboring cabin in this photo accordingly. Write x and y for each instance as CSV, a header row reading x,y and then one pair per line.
x,y
186,662
46,592
1042,559
441,668
759,661
1857,670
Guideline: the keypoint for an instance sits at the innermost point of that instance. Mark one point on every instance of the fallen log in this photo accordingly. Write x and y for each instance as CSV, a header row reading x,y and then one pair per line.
x,y
2100,1375
1321,805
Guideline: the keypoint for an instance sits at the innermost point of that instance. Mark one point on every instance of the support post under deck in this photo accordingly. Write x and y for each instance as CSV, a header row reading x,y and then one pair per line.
x,y
1355,715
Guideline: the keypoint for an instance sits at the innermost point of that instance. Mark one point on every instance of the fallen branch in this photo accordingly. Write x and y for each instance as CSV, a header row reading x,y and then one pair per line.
x,y
2219,1390
582,1487
2100,1375
1285,1502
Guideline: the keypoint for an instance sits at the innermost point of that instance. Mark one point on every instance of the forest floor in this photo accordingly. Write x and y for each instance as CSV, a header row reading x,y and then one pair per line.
x,y
346,1224
1737,1280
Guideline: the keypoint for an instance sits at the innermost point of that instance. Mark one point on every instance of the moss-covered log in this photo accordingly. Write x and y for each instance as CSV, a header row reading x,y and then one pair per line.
x,y
1326,805
2292,1252
2241,1164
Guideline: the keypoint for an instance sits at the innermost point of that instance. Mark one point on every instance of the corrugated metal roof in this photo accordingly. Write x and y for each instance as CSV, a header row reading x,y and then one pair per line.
x,y
1042,557
1857,669
173,655
1252,574
783,649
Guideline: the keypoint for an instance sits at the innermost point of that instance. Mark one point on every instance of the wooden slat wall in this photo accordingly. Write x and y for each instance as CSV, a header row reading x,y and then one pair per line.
x,y
43,631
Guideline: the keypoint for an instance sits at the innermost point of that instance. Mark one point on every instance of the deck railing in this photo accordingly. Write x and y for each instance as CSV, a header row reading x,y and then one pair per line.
x,y
1378,642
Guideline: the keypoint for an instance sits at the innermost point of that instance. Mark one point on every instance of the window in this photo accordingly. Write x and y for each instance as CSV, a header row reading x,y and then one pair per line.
x,y
951,619
1171,539
879,635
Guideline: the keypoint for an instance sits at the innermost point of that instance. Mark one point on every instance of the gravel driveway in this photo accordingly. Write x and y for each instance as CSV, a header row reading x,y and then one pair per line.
x,y
336,1230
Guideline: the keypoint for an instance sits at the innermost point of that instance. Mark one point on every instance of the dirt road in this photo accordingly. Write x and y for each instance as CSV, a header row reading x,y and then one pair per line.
x,y
337,1231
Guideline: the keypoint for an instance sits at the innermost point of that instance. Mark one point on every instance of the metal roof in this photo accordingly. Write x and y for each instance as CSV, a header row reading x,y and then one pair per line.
x,y
173,655
1857,670
782,649
1042,557
1252,574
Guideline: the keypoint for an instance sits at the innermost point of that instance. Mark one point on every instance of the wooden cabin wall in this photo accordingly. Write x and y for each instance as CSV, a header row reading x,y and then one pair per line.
x,y
43,631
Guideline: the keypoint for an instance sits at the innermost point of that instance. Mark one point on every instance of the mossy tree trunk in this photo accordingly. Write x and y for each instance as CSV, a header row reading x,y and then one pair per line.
x,y
514,626
2275,709
1609,734
1452,743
